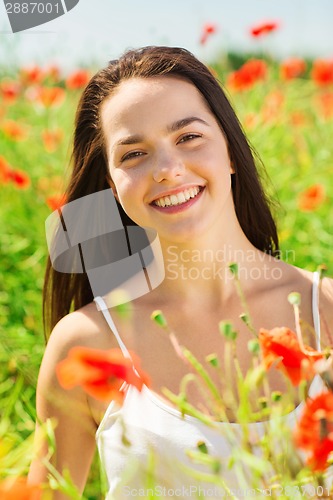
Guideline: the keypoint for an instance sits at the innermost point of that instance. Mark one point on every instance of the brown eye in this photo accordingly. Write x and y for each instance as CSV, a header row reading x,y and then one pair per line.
x,y
132,154
189,137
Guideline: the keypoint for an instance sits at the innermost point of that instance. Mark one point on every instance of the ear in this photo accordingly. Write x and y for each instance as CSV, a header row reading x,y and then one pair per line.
x,y
231,168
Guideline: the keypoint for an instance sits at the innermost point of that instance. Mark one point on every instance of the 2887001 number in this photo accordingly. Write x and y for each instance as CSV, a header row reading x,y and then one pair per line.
x,y
306,490
31,8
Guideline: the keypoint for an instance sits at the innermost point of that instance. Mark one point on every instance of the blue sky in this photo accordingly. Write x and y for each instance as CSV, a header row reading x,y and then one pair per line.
x,y
98,30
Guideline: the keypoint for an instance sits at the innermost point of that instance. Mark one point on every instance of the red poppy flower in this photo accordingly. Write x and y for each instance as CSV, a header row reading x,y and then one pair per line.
x,y
14,130
5,171
292,68
311,198
100,373
17,488
247,75
50,96
283,343
20,179
10,91
31,75
314,430
56,201
78,79
264,28
207,30
322,72
52,139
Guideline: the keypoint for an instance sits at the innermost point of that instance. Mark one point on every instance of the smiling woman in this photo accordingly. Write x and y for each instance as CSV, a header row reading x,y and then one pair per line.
x,y
179,161
156,127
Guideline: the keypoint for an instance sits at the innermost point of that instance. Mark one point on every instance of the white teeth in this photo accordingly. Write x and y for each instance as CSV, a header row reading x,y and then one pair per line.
x,y
187,195
177,199
181,197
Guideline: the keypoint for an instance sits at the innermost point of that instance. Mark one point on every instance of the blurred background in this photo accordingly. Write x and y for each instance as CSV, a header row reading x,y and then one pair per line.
x,y
275,61
94,32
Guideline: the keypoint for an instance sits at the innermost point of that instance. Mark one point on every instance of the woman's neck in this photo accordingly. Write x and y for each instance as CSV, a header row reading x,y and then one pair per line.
x,y
200,268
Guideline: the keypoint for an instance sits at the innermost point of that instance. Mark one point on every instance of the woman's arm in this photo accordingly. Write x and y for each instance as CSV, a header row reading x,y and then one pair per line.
x,y
69,409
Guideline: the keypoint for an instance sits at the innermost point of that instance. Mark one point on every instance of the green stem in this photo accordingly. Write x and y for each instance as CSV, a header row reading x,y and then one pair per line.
x,y
229,393
244,305
191,377
203,374
299,333
188,409
64,485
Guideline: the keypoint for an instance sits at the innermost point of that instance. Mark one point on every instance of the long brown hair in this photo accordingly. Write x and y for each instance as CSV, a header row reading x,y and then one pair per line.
x,y
90,173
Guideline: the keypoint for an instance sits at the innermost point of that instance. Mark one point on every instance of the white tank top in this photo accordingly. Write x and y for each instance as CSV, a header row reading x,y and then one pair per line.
x,y
150,425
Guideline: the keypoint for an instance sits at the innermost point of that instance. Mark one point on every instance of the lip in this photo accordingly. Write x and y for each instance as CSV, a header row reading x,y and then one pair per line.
x,y
175,191
175,209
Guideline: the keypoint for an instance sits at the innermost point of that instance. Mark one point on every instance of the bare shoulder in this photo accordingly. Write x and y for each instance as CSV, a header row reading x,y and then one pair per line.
x,y
296,279
303,279
84,327
325,297
327,290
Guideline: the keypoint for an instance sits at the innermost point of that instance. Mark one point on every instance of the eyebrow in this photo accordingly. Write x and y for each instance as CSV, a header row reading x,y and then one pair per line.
x,y
179,124
184,122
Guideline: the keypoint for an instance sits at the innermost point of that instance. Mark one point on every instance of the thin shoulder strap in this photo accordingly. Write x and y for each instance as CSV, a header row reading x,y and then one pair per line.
x,y
104,308
315,306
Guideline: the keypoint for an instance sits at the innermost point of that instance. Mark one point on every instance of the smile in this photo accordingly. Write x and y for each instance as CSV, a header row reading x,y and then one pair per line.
x,y
178,198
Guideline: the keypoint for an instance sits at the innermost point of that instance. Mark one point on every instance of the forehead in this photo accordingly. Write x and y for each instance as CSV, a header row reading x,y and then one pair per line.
x,y
156,98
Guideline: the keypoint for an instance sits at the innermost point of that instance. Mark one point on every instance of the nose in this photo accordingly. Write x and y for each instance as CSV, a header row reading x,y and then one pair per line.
x,y
168,165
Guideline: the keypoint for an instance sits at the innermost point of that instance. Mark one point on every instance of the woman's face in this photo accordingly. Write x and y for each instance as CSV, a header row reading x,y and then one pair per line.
x,y
167,157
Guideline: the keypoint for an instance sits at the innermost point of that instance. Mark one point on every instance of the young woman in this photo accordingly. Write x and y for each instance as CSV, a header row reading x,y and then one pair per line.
x,y
156,127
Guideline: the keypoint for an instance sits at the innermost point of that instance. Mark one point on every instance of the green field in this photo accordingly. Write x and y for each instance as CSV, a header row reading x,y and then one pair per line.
x,y
289,124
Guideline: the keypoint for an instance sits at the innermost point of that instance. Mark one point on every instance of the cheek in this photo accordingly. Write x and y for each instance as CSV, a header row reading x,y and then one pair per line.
x,y
218,173
123,183
128,192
